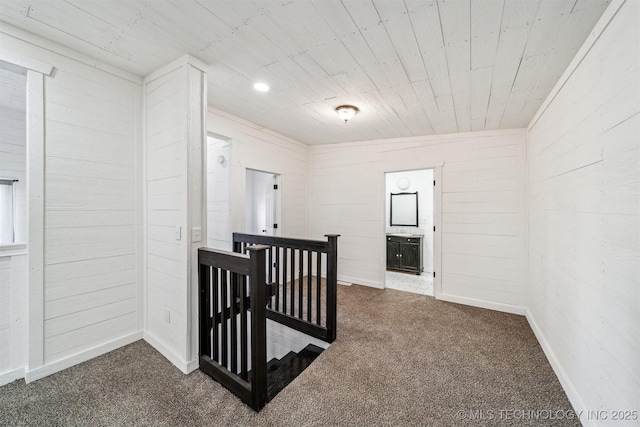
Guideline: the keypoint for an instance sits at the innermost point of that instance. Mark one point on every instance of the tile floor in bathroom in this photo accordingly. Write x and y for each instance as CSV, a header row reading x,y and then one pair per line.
x,y
409,282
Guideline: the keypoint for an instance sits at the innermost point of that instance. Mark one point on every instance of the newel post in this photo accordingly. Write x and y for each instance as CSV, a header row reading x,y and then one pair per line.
x,y
332,284
258,292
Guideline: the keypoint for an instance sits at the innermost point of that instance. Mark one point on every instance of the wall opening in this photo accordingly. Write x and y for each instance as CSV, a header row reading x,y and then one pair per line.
x,y
410,242
218,193
13,155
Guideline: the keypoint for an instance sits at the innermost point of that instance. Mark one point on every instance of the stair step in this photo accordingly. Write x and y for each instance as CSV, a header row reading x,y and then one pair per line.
x,y
288,368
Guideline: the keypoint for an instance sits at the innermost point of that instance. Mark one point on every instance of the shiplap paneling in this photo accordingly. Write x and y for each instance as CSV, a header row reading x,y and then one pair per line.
x,y
166,212
89,170
584,219
13,315
483,182
253,147
175,100
90,208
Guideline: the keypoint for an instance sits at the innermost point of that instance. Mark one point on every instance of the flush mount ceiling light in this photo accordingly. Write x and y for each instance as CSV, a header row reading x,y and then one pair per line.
x,y
346,112
261,87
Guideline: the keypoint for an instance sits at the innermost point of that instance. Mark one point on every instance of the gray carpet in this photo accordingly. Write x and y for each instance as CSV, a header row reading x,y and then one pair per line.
x,y
400,359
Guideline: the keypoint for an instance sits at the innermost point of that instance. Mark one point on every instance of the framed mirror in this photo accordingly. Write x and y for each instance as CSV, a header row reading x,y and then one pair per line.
x,y
404,209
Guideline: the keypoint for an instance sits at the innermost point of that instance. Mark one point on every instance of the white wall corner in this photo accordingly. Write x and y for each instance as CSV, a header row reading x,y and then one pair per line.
x,y
565,381
67,362
11,376
360,281
491,305
177,361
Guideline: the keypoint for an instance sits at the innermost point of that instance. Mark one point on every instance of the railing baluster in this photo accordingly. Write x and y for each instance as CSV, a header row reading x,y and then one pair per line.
x,y
292,301
309,298
300,283
270,274
319,288
216,334
244,343
285,256
277,268
223,319
234,323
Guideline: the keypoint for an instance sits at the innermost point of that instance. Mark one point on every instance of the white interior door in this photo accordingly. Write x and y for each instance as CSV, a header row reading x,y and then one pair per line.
x,y
262,203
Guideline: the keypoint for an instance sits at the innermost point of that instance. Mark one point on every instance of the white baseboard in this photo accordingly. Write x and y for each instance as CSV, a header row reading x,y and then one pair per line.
x,y
83,356
357,281
578,405
170,355
11,376
474,302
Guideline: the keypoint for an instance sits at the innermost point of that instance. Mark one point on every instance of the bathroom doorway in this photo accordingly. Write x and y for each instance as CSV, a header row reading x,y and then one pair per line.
x,y
409,231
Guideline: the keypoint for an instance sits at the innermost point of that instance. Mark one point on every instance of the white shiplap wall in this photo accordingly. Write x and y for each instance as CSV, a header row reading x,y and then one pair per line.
x,y
13,314
254,147
13,147
90,204
174,134
583,292
90,210
483,212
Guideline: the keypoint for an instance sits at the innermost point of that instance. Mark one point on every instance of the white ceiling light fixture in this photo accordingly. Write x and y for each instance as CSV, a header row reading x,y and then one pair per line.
x,y
346,112
261,87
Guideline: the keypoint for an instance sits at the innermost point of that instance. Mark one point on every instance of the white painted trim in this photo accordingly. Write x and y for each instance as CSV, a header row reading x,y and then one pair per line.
x,y
437,235
11,376
474,302
610,12
565,381
25,62
358,281
424,139
141,191
181,62
243,122
177,361
35,207
66,52
13,249
67,362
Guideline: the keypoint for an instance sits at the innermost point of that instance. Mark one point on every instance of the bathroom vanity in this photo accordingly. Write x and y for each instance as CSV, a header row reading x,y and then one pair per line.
x,y
404,252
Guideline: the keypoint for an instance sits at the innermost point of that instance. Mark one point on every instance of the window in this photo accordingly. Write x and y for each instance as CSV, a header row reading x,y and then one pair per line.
x,y
7,211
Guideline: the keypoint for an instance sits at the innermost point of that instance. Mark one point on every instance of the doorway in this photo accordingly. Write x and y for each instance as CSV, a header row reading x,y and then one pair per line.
x,y
218,193
409,231
262,213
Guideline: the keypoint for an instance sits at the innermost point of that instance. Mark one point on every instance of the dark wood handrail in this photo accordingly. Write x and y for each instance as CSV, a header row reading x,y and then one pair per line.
x,y
237,294
229,302
282,308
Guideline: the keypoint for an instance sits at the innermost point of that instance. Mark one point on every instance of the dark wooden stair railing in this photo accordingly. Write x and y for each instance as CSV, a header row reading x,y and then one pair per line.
x,y
239,291
231,285
303,295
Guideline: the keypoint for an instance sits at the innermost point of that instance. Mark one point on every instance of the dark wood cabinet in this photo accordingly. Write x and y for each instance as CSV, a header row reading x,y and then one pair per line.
x,y
404,253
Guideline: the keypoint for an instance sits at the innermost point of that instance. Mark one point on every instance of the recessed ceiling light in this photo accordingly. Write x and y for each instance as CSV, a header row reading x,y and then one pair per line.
x,y
261,87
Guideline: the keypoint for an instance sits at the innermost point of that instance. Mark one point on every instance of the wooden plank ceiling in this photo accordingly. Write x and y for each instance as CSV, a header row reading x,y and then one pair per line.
x,y
413,67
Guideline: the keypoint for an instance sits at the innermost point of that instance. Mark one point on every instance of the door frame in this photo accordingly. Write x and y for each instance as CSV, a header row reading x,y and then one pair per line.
x,y
277,198
437,223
